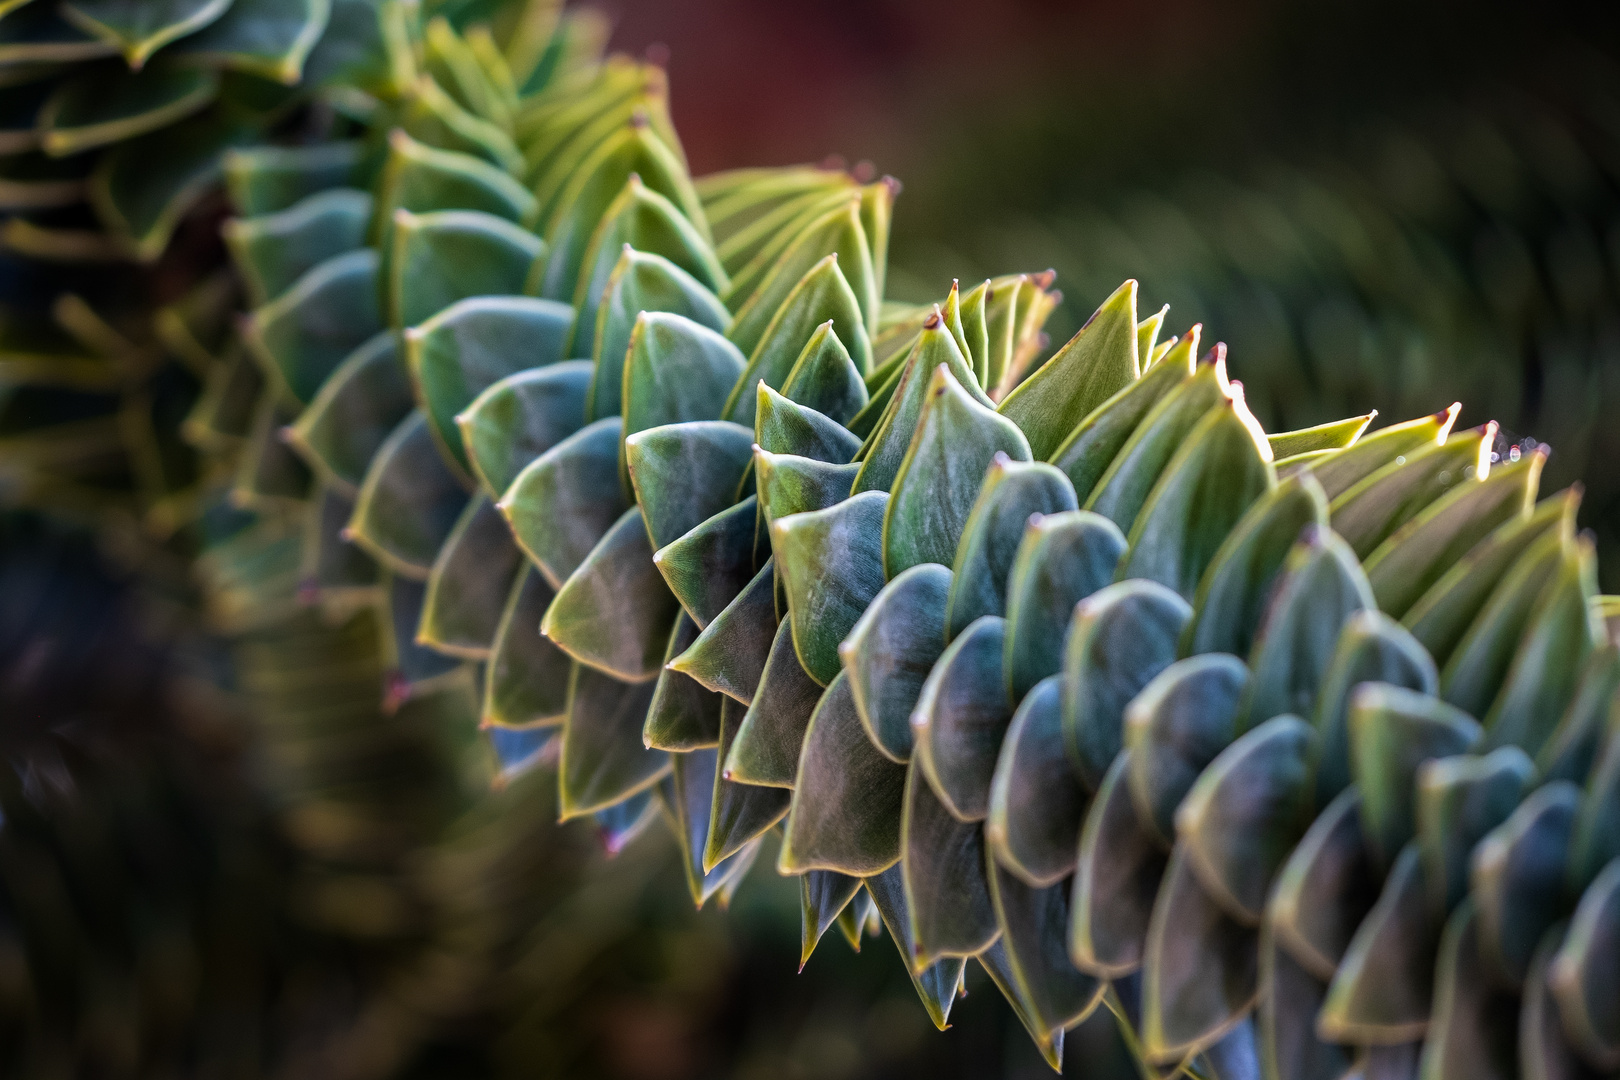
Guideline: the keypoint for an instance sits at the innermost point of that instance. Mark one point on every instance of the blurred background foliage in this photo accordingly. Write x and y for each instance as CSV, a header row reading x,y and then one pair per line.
x,y
1400,203
172,904
176,899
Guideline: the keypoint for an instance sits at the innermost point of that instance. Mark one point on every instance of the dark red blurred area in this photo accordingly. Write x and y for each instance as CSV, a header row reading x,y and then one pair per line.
x,y
773,83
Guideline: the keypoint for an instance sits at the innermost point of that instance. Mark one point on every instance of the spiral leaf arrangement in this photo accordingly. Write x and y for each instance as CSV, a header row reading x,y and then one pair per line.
x,y
118,116
1296,750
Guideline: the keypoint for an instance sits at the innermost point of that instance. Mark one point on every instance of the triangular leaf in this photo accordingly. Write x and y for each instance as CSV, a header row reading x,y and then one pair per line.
x,y
267,179
1285,1019
826,378
1369,513
891,650
1393,731
1372,647
1233,593
470,583
414,671
961,717
1324,890
782,426
839,236
1442,616
886,448
831,563
1246,811
740,813
1517,879
1459,800
1096,442
938,481
1119,639
944,873
409,502
1341,471
730,654
1216,475
937,985
1200,971
693,795
1034,924
1011,492
998,966
272,251
789,484
823,896
766,750
431,114
1062,559
1097,363
822,296
437,258
342,576
269,475
710,565
684,714
1546,669
1175,727
1478,668
519,418
847,797
684,474
636,148
526,679
676,371
649,222
1468,1037
357,407
643,282
471,345
603,759
975,329
566,499
307,331
1333,435
1573,747
1420,552
1320,586
1116,879
420,178
1147,335
1036,799
753,251
613,610
1383,989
